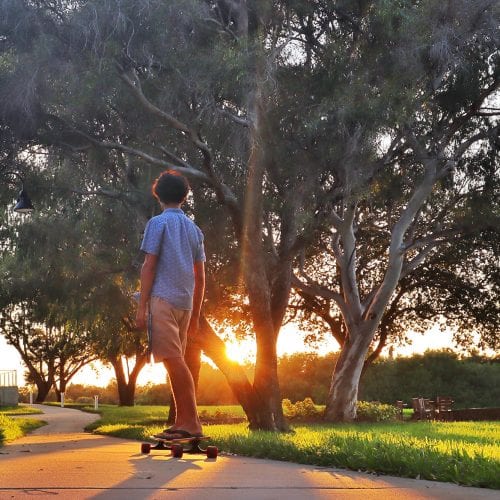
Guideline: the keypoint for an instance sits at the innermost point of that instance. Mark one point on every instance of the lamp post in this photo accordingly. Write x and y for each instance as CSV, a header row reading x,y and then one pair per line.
x,y
23,203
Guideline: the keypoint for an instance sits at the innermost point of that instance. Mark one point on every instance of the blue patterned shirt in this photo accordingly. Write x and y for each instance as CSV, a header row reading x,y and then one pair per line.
x,y
178,242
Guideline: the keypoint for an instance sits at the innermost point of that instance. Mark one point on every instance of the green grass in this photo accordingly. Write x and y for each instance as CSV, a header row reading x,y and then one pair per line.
x,y
19,410
11,428
153,416
461,452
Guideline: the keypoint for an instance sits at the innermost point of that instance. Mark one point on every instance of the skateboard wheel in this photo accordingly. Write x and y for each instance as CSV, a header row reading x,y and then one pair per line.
x,y
177,450
212,451
145,448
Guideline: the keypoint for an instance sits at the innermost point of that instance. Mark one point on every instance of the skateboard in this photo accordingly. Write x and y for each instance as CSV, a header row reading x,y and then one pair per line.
x,y
178,446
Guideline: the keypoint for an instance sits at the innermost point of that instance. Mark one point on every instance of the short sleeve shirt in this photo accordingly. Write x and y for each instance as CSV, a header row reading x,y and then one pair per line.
x,y
178,242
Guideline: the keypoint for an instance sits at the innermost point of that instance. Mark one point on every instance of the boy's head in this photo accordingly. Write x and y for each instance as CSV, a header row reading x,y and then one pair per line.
x,y
170,187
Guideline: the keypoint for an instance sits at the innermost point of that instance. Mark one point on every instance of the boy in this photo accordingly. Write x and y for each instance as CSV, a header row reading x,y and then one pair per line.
x,y
173,283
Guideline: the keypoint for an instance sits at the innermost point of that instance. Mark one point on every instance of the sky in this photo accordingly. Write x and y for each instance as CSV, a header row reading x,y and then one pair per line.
x,y
291,340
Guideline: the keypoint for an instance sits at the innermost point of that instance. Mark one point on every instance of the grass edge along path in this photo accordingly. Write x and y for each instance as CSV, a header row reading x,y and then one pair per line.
x,y
466,453
11,428
19,410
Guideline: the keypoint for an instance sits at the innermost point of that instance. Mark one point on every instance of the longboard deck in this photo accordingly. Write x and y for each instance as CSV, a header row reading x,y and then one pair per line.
x,y
178,446
181,440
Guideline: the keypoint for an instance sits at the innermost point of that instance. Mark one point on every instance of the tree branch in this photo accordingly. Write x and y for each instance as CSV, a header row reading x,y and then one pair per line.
x,y
315,289
234,118
223,192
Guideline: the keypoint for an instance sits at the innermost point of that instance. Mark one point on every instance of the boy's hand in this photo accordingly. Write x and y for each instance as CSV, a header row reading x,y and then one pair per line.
x,y
194,327
140,319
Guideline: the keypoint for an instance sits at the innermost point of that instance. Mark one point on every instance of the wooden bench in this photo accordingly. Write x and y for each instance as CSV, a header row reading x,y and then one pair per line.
x,y
443,408
400,407
423,409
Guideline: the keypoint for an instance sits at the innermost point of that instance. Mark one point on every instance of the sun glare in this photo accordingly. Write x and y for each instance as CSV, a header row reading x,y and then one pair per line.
x,y
240,352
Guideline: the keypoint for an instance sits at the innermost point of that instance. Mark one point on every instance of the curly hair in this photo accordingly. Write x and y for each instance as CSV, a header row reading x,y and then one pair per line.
x,y
171,187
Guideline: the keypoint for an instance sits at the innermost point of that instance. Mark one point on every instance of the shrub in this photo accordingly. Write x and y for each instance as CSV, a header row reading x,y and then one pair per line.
x,y
219,417
85,399
376,412
301,410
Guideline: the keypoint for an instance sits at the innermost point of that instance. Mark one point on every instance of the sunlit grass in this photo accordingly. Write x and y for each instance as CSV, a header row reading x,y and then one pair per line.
x,y
152,415
11,428
383,448
461,452
19,410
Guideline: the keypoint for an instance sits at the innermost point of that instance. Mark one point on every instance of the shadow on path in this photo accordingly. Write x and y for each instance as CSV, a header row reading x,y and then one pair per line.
x,y
82,465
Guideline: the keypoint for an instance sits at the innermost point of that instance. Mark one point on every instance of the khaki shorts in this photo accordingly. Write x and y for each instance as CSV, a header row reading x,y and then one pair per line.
x,y
169,330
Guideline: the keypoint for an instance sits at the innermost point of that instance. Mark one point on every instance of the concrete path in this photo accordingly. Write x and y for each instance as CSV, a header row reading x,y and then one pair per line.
x,y
60,420
70,464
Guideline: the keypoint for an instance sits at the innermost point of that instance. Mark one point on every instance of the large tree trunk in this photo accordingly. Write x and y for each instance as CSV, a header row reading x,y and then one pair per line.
x,y
256,400
343,394
255,262
266,385
43,388
363,320
43,384
253,404
126,385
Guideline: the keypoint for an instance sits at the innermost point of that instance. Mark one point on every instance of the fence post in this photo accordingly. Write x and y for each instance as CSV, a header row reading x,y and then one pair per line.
x,y
62,399
96,402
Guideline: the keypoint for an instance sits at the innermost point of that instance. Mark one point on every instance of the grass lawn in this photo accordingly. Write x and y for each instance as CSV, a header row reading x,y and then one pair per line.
x,y
461,452
19,410
11,428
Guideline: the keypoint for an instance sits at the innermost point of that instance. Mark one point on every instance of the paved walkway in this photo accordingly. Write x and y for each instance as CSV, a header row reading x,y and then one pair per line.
x,y
61,460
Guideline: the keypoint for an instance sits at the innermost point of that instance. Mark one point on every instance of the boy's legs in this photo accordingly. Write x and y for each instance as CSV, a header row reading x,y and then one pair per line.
x,y
183,390
170,327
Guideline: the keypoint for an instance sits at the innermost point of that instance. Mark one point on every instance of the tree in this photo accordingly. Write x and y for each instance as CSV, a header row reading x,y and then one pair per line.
x,y
151,78
439,292
417,179
52,355
71,262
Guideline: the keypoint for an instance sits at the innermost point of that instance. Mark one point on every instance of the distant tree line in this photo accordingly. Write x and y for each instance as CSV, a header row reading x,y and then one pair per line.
x,y
473,381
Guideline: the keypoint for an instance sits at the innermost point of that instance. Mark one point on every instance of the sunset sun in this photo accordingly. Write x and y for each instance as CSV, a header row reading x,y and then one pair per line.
x,y
240,351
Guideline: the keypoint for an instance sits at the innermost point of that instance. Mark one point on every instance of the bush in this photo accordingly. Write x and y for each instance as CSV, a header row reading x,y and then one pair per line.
x,y
153,394
301,410
220,417
85,400
375,412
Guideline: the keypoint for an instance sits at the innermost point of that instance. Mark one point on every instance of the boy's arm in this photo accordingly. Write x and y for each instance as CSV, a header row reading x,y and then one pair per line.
x,y
148,273
199,292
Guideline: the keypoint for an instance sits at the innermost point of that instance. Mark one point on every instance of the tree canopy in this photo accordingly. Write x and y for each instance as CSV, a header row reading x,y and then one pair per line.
x,y
347,148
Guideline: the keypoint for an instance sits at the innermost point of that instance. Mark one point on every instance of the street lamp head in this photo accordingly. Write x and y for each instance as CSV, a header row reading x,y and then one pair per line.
x,y
23,205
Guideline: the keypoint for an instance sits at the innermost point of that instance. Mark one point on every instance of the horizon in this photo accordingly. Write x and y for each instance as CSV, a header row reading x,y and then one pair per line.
x,y
291,341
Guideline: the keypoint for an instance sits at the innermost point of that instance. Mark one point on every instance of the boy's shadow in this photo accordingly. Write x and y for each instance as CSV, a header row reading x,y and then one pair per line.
x,y
155,471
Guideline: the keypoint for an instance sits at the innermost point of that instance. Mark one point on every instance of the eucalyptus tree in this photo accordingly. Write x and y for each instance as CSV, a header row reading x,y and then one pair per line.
x,y
414,188
456,290
188,85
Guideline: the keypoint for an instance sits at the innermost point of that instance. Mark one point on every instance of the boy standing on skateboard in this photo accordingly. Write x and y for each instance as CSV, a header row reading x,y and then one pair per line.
x,y
173,285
